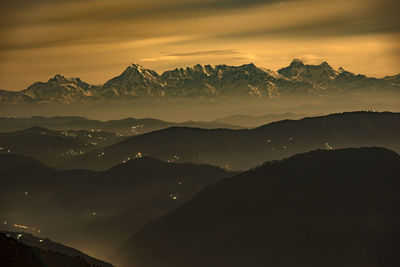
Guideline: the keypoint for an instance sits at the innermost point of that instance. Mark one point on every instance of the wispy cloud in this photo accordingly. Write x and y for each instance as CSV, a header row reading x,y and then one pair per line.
x,y
209,52
82,36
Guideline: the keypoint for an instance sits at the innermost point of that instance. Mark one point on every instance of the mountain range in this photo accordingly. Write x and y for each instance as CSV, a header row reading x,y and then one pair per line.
x,y
53,147
298,79
126,126
235,149
251,121
95,211
245,148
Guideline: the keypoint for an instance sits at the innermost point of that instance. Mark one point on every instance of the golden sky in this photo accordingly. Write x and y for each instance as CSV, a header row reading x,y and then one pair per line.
x,y
96,39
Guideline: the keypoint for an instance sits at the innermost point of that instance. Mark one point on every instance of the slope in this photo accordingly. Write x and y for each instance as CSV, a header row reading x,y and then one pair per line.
x,y
244,149
321,208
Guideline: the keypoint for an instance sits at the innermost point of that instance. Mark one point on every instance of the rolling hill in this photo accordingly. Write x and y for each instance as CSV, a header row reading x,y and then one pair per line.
x,y
50,147
126,127
321,208
248,121
96,211
244,149
11,161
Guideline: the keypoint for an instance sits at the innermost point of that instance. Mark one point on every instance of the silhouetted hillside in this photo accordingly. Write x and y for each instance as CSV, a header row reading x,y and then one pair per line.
x,y
15,254
48,245
249,121
322,208
11,161
96,211
244,149
50,147
126,127
53,123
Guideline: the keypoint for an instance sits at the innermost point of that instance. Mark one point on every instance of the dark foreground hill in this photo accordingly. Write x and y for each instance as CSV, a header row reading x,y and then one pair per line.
x,y
97,211
244,149
49,245
15,254
322,208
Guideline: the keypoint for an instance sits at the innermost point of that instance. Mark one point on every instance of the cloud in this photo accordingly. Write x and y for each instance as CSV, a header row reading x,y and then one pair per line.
x,y
63,22
81,11
197,54
82,36
209,52
348,18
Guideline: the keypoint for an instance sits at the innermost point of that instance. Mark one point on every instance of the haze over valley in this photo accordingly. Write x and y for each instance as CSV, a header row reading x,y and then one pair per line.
x,y
105,170
206,133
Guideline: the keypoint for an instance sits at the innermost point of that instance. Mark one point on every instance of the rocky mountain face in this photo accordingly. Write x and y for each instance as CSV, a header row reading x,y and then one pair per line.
x,y
298,79
57,89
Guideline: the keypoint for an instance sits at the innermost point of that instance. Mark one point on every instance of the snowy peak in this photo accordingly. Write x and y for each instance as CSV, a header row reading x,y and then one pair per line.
x,y
394,78
206,81
327,68
296,63
295,68
315,74
58,89
207,70
58,77
134,65
134,81
135,70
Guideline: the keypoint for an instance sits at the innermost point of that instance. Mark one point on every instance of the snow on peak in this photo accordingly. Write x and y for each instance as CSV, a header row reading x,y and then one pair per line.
x,y
58,77
296,62
134,65
272,73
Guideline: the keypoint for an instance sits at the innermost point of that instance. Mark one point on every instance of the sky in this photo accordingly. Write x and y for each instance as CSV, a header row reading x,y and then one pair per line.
x,y
97,39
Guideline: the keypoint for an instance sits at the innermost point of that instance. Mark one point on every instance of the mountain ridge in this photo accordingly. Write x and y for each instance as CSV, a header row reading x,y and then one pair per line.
x,y
242,149
320,208
16,254
92,211
49,245
126,126
298,79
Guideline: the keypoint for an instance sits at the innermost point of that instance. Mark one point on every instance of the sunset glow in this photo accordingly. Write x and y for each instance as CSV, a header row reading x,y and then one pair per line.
x,y
96,40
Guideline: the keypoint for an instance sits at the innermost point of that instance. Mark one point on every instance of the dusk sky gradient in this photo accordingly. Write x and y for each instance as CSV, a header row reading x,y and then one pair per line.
x,y
96,39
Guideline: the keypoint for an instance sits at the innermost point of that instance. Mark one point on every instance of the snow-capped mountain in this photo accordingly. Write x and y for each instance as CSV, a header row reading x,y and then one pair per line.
x,y
219,80
134,81
298,79
57,89
317,75
394,79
